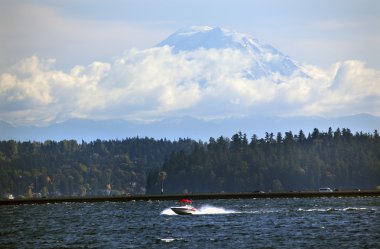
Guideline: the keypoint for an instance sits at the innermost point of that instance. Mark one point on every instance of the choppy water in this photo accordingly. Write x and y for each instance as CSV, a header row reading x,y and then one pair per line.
x,y
256,223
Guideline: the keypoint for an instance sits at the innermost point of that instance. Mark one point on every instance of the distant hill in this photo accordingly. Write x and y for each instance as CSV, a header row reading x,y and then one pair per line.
x,y
184,127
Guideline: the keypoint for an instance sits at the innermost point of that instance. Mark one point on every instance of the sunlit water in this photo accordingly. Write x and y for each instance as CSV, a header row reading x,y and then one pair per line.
x,y
254,223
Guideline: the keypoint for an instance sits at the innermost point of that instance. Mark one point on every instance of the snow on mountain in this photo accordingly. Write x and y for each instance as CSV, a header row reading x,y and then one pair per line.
x,y
266,60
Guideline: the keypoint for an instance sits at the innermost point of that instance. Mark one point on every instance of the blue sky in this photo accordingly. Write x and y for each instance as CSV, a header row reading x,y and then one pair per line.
x,y
319,32
57,58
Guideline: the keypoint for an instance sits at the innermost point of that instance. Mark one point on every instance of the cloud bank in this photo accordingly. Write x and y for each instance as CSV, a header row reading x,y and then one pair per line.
x,y
151,84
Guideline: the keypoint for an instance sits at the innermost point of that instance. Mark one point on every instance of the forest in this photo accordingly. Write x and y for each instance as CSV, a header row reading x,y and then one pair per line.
x,y
68,168
281,162
285,162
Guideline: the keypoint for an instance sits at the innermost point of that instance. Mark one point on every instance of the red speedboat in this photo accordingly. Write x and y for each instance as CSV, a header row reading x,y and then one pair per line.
x,y
184,208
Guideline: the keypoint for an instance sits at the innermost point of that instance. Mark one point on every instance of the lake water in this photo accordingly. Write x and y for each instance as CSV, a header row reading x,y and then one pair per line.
x,y
254,223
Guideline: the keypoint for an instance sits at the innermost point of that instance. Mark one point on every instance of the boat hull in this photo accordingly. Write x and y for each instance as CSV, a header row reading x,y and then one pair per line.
x,y
184,210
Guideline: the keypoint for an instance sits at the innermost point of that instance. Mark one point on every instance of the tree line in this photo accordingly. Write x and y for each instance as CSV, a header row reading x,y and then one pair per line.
x,y
67,167
281,162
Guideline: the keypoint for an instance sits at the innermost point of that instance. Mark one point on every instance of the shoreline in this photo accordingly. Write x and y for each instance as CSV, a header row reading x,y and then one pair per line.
x,y
199,196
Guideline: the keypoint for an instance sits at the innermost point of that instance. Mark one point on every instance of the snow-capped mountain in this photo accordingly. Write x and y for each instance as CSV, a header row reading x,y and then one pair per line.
x,y
266,60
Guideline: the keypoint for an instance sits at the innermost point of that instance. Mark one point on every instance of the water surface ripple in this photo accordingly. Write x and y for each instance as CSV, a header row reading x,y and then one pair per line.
x,y
255,223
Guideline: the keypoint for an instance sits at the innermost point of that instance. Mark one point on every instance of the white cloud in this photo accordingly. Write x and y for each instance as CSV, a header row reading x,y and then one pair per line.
x,y
154,83
353,89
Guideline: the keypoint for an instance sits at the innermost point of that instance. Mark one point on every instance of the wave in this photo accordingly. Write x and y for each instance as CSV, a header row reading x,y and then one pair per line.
x,y
169,240
335,209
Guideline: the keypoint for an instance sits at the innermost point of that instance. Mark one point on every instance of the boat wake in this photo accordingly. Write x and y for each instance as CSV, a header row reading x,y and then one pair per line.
x,y
206,209
336,209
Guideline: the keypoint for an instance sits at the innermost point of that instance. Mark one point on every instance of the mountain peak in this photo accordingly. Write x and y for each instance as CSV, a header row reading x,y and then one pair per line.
x,y
193,29
206,37
266,60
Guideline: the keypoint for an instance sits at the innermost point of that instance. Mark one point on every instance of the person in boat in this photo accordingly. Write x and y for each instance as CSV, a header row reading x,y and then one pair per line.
x,y
185,202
